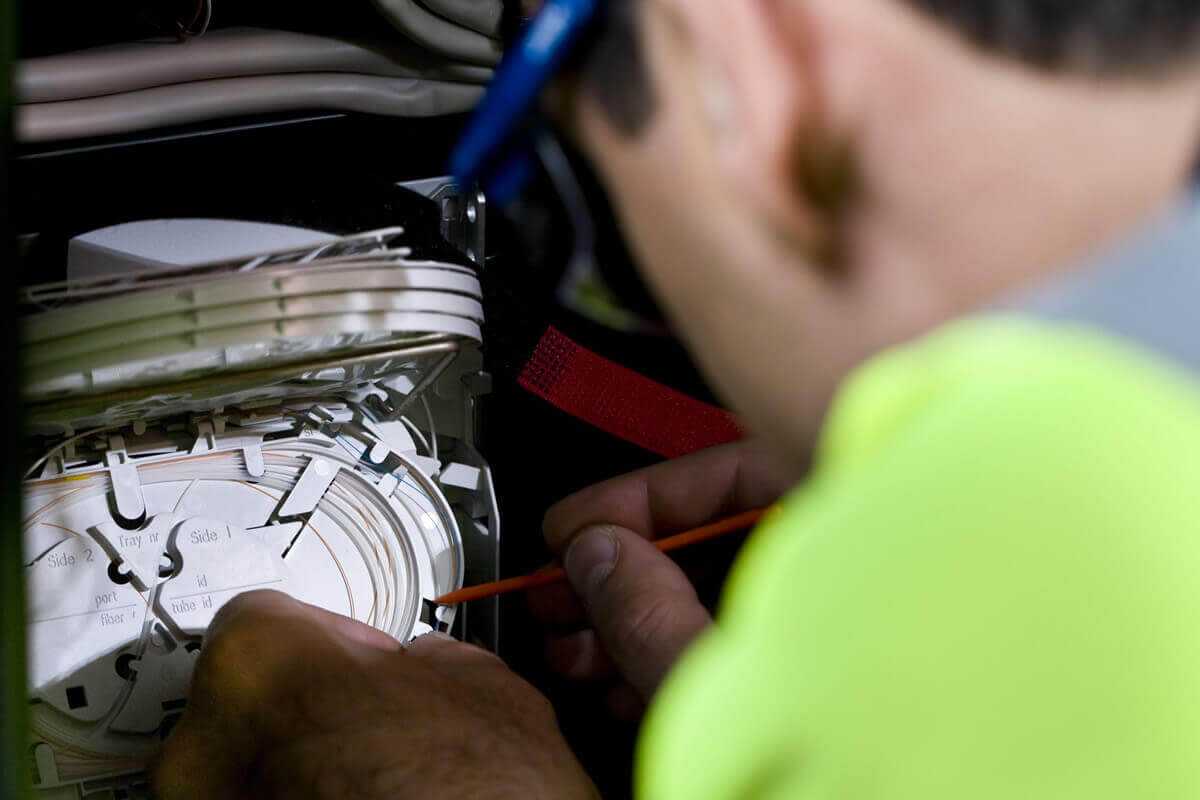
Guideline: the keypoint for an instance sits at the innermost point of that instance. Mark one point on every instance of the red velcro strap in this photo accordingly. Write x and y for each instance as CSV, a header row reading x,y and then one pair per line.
x,y
622,402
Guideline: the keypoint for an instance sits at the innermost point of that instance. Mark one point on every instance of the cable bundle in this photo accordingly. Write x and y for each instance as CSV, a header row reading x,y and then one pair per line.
x,y
248,71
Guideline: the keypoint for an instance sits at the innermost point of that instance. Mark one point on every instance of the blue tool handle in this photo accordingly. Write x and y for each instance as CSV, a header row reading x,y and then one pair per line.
x,y
508,174
526,70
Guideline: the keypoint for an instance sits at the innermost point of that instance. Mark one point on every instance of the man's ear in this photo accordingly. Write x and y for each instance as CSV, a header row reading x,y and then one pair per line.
x,y
758,71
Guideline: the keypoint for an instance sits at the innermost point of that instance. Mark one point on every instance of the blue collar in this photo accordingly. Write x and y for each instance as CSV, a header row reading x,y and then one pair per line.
x,y
1145,289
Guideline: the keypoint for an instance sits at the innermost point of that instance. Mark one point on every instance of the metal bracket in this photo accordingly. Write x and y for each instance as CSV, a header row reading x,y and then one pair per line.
x,y
463,222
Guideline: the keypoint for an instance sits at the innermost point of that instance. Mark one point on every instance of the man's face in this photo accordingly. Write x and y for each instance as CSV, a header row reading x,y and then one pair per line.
x,y
713,205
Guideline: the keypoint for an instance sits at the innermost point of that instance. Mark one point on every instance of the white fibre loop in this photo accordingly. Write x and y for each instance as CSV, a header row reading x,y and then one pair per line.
x,y
100,611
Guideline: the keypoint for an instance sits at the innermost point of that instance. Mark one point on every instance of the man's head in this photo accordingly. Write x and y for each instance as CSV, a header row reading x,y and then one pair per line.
x,y
821,179
1101,37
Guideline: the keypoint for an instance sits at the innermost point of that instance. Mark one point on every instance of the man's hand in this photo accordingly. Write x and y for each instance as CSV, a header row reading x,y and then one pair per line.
x,y
289,700
631,611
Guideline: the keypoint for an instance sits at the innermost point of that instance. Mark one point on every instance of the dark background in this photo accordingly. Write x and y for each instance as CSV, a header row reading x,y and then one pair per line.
x,y
13,742
338,172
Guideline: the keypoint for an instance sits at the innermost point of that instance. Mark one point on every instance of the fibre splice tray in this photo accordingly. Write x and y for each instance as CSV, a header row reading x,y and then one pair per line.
x,y
300,420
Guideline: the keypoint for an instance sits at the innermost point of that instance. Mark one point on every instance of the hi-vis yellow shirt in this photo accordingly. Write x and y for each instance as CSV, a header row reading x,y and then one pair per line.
x,y
990,586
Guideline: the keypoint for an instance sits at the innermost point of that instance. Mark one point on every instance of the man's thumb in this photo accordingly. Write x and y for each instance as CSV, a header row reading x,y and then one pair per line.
x,y
642,606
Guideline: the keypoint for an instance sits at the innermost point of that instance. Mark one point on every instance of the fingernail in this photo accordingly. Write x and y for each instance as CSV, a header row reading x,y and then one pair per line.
x,y
590,559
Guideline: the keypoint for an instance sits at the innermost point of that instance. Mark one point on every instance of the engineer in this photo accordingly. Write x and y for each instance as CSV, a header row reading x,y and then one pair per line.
x,y
943,259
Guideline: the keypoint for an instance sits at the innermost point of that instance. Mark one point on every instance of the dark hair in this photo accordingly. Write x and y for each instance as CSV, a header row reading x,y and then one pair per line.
x,y
1086,35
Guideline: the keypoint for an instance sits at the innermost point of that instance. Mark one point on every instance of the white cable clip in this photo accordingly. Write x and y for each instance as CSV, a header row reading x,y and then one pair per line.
x,y
314,481
253,455
129,506
206,438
